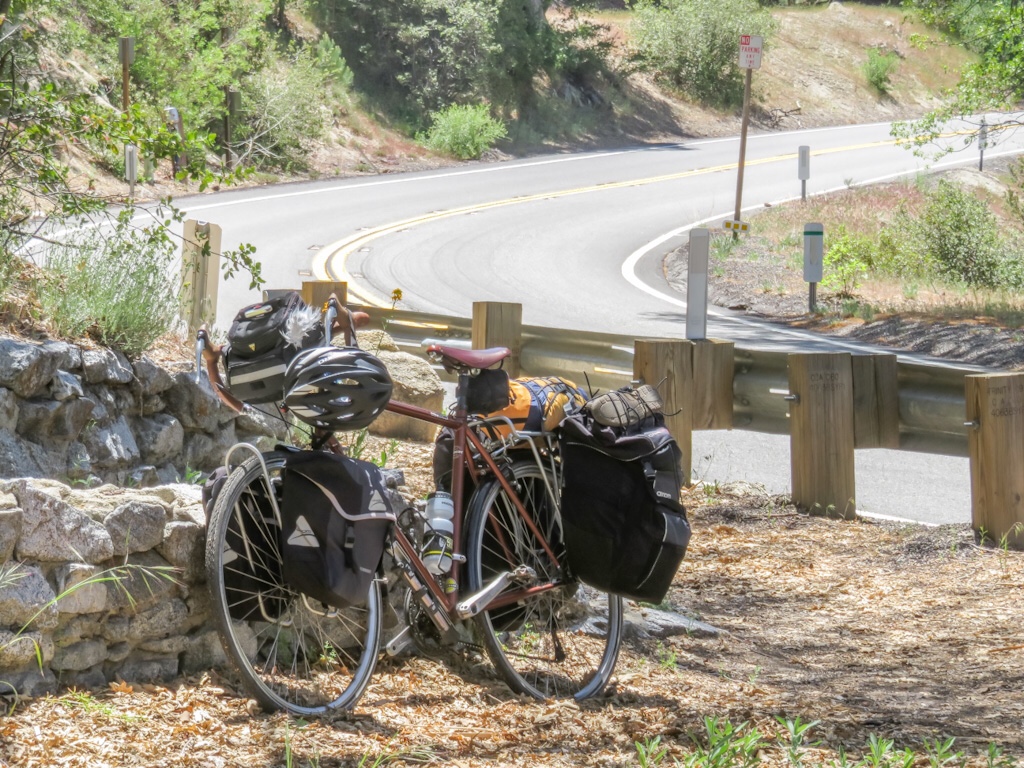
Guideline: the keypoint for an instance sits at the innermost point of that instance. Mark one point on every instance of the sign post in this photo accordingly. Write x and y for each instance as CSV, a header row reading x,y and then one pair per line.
x,y
750,59
982,144
804,170
814,247
200,269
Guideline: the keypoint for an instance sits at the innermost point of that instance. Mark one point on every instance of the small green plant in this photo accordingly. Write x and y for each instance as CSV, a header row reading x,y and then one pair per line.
x,y
879,68
726,746
940,753
650,752
193,476
722,247
464,131
796,731
847,262
666,657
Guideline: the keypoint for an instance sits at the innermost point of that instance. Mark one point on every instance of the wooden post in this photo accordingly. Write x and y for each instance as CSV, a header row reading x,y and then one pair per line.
x,y
876,407
496,324
995,443
712,372
668,365
821,433
316,292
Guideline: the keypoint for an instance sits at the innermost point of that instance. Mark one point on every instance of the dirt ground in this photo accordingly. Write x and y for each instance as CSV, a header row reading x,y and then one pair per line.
x,y
868,629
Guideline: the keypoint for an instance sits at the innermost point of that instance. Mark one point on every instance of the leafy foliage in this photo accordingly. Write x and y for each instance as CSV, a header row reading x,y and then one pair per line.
x,y
879,67
464,131
693,44
847,262
94,283
993,29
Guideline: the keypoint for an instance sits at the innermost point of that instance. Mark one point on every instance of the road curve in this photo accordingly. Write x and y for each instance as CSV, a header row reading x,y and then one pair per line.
x,y
579,241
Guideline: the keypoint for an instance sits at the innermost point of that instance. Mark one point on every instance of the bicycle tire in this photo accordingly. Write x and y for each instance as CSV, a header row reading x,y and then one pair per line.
x,y
290,652
525,640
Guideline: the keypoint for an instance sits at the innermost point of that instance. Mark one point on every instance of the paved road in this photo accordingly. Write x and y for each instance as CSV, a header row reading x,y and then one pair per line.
x,y
579,241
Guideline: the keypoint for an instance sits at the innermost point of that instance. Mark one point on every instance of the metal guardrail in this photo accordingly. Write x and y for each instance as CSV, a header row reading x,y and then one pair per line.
x,y
931,398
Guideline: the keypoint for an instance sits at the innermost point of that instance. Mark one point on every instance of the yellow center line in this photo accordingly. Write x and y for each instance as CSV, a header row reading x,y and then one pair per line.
x,y
330,261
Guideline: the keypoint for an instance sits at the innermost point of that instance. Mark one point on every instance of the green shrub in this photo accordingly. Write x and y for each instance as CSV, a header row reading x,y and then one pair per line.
x,y
879,68
960,233
847,261
693,44
464,131
284,113
116,287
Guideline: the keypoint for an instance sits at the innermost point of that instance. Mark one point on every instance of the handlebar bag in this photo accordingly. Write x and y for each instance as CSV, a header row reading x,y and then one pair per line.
x,y
335,515
625,528
262,340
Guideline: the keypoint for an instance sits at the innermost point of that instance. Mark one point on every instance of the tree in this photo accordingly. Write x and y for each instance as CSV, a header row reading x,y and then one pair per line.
x,y
994,29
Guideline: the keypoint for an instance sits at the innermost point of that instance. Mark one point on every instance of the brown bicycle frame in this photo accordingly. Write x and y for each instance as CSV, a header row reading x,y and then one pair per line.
x,y
465,438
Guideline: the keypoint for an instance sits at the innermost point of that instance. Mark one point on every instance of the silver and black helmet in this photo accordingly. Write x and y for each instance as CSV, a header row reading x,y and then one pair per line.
x,y
336,388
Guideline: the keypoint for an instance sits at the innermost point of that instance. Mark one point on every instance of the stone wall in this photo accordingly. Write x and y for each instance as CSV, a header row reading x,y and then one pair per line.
x,y
128,565
90,416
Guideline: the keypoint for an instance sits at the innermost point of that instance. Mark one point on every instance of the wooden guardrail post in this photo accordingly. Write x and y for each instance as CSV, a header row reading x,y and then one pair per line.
x,y
316,292
876,407
667,364
995,442
499,324
822,433
694,379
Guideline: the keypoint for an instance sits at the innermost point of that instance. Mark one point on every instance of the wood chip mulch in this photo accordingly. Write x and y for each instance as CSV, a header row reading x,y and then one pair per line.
x,y
894,630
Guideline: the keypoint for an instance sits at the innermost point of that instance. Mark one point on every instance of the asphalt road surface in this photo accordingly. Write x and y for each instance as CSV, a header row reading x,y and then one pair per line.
x,y
579,241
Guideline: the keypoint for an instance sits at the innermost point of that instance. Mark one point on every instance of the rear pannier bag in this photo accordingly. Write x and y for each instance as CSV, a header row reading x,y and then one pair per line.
x,y
262,340
335,515
625,528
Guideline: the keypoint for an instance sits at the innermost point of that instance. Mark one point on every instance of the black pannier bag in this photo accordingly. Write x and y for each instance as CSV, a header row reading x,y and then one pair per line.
x,y
262,340
625,528
252,565
335,515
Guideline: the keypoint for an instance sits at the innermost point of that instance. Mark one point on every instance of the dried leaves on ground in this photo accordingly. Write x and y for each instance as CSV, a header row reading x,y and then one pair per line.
x,y
881,629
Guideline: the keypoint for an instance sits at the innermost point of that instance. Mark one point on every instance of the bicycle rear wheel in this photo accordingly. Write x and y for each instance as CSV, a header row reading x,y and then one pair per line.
x,y
290,651
558,643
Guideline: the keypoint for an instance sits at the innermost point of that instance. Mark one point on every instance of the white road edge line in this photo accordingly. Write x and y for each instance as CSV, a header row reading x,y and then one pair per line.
x,y
629,265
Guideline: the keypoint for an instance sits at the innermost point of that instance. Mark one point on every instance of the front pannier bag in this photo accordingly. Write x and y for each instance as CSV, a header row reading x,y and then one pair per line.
x,y
625,528
335,515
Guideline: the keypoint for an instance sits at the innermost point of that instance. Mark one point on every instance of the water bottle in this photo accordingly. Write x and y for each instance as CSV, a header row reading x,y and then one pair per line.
x,y
437,552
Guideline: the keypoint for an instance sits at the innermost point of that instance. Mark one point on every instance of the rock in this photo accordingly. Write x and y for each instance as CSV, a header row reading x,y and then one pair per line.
x,y
59,421
146,580
204,652
115,631
195,405
10,530
160,438
31,682
79,656
79,465
54,531
140,670
79,590
112,447
8,409
65,385
69,357
651,622
184,547
21,650
415,382
152,378
26,596
256,421
20,458
163,620
105,366
136,527
142,477
26,368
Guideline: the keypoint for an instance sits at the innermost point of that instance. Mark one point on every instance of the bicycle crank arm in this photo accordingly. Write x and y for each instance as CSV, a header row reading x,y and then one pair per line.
x,y
475,603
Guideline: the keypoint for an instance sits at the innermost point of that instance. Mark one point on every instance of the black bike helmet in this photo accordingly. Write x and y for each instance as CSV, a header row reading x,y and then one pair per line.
x,y
336,388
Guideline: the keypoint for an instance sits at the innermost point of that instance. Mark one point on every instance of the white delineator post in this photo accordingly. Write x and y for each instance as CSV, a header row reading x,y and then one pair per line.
x,y
814,249
697,284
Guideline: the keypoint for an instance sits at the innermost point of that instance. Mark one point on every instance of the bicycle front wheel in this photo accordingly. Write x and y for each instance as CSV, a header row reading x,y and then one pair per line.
x,y
559,642
291,652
